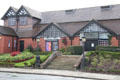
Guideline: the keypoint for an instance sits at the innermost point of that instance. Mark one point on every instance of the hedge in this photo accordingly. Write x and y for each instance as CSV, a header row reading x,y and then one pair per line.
x,y
108,48
75,50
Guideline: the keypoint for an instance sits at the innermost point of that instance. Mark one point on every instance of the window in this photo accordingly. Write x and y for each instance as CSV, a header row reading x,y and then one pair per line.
x,y
14,43
103,42
8,43
103,35
11,21
23,21
71,11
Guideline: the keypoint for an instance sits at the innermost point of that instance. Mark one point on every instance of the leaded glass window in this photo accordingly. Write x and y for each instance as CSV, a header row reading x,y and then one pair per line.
x,y
12,21
23,21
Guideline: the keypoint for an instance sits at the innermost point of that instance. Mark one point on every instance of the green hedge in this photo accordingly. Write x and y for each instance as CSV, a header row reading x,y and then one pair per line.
x,y
42,53
75,50
108,48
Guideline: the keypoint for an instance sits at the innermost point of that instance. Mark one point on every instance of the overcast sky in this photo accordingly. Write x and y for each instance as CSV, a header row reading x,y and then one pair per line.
x,y
50,5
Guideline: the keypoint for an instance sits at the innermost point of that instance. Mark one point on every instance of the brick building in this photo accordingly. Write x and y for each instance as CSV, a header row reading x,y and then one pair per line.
x,y
53,30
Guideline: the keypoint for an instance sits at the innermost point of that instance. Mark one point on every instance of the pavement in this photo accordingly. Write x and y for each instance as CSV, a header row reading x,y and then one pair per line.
x,y
64,73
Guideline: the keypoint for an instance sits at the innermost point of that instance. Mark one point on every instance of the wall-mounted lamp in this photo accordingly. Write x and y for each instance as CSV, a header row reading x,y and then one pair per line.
x,y
0,38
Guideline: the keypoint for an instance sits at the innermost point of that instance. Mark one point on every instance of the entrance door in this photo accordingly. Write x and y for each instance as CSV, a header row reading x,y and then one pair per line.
x,y
54,46
51,45
21,45
90,45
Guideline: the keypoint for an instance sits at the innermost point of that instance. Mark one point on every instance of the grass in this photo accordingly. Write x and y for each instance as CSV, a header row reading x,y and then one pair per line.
x,y
25,63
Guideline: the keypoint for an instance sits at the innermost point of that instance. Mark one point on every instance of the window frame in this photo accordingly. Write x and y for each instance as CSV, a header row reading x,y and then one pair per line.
x,y
12,21
23,20
9,43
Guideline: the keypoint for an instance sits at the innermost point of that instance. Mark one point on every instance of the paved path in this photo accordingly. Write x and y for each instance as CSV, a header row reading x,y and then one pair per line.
x,y
17,76
75,74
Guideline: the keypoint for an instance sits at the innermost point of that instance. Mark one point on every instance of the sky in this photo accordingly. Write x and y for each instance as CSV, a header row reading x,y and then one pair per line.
x,y
51,5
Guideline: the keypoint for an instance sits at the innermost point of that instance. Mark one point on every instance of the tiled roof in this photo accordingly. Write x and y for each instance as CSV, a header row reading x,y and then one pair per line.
x,y
7,31
82,14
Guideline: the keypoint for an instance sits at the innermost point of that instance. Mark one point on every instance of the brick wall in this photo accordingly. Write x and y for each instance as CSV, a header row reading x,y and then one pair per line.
x,y
114,41
27,42
4,44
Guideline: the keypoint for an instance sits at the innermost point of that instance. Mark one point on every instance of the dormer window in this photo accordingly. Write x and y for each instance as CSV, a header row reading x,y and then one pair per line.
x,y
106,7
23,20
71,11
11,21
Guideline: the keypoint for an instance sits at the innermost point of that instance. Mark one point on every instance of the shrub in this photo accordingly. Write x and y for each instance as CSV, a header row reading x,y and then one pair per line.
x,y
37,50
75,50
43,58
108,48
30,48
62,50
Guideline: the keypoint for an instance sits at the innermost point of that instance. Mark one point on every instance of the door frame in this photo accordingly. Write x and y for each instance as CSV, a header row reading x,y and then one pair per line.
x,y
20,45
52,44
91,41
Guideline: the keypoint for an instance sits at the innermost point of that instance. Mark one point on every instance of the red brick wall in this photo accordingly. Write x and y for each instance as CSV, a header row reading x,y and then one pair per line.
x,y
62,45
76,41
4,44
42,44
27,42
114,41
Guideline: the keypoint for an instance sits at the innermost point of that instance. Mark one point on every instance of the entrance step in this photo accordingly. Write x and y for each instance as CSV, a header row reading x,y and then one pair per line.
x,y
64,62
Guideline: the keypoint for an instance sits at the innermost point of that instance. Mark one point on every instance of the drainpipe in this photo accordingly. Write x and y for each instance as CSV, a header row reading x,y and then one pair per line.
x,y
12,43
71,38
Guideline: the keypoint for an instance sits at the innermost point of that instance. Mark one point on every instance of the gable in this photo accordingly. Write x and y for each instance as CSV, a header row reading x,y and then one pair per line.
x,y
51,32
22,12
94,31
93,27
10,13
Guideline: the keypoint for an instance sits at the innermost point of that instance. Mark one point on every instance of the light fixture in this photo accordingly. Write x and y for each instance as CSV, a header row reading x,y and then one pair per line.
x,y
38,40
83,39
0,38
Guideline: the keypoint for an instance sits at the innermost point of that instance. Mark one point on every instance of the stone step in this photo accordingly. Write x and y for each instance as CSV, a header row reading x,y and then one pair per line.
x,y
64,62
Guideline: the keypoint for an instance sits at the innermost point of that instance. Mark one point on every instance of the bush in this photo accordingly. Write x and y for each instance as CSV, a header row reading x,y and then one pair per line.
x,y
30,48
62,50
108,48
43,58
75,50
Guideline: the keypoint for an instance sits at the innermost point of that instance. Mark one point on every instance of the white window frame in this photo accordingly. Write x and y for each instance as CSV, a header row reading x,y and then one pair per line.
x,y
8,43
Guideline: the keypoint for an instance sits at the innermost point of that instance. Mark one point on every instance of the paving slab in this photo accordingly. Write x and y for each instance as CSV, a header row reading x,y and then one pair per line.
x,y
64,73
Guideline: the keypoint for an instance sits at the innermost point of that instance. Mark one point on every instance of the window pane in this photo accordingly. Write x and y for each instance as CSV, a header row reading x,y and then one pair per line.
x,y
91,35
23,21
103,35
11,21
8,43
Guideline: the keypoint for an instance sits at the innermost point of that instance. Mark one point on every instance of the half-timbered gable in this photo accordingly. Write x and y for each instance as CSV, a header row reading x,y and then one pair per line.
x,y
22,12
52,32
94,31
11,12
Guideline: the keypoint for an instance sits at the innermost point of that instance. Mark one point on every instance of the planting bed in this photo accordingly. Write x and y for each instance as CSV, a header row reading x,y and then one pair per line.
x,y
103,61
